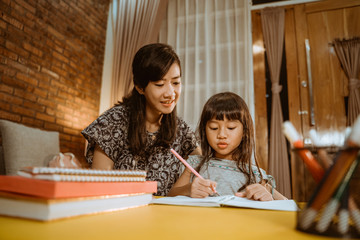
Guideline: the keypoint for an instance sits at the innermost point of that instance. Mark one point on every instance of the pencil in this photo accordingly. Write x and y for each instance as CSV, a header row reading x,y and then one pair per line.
x,y
189,167
322,154
334,203
355,214
327,187
347,204
315,169
343,225
333,176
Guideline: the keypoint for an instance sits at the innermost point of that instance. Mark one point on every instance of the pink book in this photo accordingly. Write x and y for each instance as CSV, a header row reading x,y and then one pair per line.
x,y
70,189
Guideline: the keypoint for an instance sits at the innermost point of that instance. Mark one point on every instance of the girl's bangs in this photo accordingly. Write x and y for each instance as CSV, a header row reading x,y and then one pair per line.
x,y
230,112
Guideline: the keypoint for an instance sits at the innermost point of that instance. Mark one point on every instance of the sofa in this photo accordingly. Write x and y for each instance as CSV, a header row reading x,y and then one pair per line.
x,y
25,146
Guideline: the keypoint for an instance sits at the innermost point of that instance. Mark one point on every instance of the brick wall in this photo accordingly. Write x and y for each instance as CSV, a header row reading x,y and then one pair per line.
x,y
51,59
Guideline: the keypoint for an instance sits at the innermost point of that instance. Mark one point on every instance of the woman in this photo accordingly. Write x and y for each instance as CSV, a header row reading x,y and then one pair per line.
x,y
138,132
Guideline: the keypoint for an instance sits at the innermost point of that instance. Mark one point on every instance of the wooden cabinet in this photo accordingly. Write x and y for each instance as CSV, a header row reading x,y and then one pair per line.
x,y
317,86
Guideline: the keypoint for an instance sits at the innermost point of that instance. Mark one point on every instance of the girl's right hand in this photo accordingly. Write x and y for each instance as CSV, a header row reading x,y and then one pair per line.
x,y
201,188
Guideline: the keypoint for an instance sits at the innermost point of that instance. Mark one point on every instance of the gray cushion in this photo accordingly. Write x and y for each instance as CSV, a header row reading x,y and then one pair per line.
x,y
26,146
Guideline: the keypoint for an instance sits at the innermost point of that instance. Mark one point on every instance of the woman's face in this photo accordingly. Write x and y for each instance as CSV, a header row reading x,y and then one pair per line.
x,y
162,95
224,136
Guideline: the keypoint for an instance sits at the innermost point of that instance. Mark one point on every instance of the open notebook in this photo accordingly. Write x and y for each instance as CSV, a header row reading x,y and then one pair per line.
x,y
228,200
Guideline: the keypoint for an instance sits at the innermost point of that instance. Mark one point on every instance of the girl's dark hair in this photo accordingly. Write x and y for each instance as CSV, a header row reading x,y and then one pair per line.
x,y
231,106
151,63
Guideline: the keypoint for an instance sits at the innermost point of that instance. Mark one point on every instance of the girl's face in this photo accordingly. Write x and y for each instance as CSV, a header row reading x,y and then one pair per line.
x,y
224,136
162,95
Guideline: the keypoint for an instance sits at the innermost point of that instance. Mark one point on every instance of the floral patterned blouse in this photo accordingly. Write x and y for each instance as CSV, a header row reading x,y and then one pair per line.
x,y
110,133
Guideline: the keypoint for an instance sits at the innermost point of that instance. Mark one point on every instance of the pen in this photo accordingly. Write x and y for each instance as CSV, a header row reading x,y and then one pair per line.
x,y
189,167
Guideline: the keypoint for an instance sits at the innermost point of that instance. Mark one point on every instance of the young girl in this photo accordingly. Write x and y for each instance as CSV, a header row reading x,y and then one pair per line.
x,y
138,132
227,143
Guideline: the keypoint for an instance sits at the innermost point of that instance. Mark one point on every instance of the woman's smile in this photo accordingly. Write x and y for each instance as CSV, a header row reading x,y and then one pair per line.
x,y
168,103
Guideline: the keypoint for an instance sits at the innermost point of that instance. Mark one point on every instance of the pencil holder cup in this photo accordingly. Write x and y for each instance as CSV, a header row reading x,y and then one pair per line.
x,y
326,187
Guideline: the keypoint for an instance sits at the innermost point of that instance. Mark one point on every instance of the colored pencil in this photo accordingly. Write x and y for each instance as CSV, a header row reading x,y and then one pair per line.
x,y
355,214
333,204
333,177
348,204
322,154
189,167
326,188
315,169
343,225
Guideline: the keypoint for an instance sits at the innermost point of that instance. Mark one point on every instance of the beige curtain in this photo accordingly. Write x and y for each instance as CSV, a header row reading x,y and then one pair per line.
x,y
212,38
348,52
273,21
135,23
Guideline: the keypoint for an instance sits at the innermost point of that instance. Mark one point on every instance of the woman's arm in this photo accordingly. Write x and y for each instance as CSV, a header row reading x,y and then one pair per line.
x,y
197,151
101,160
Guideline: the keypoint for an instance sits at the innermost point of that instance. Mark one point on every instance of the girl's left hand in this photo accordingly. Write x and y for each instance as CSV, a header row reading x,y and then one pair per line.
x,y
256,192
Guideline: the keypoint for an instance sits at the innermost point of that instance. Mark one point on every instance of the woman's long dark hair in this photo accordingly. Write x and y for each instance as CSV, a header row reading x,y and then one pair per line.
x,y
151,63
231,106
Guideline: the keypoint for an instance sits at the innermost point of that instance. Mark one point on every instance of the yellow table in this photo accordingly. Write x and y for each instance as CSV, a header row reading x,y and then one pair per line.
x,y
162,222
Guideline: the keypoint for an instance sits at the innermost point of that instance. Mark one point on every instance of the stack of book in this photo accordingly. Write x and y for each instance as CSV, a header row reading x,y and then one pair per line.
x,y
44,193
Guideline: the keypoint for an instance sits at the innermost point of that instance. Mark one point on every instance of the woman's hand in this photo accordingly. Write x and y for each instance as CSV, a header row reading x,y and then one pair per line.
x,y
201,188
256,192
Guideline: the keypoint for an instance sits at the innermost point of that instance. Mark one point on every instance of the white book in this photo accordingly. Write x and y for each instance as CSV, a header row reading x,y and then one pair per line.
x,y
228,200
42,209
